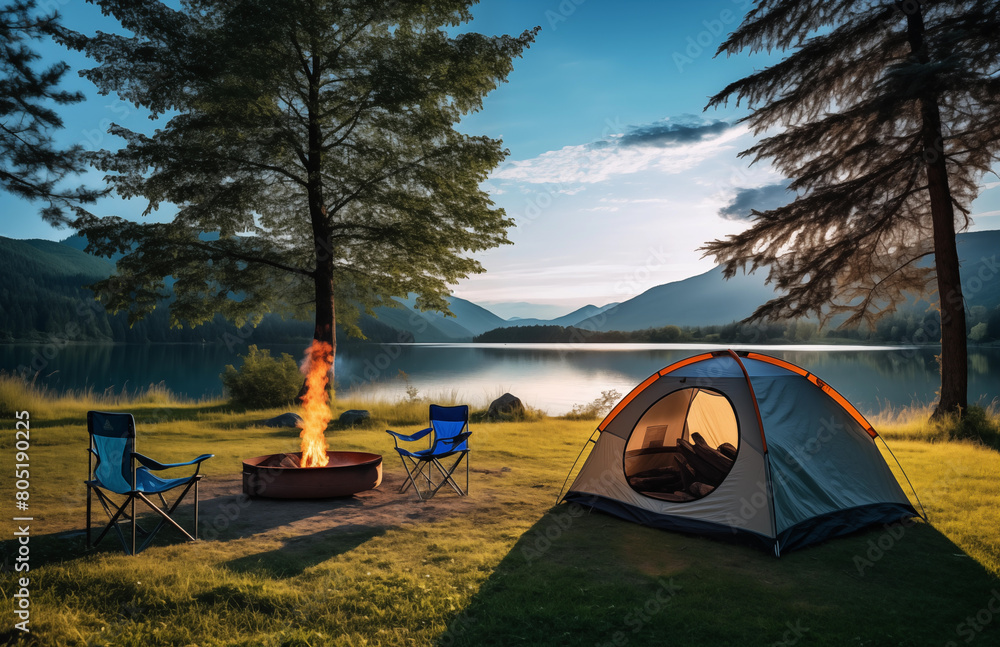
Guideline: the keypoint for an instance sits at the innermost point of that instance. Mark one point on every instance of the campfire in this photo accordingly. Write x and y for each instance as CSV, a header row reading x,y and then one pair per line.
x,y
315,404
314,472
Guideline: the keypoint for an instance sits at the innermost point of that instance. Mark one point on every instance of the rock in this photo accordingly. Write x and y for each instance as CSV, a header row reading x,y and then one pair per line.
x,y
505,407
284,420
352,417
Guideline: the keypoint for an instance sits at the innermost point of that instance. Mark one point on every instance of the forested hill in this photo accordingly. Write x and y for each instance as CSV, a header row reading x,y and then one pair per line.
x,y
41,296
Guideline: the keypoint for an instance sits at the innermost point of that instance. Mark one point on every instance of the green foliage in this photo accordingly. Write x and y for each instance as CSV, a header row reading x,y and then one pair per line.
x,y
597,408
863,91
31,166
878,114
976,424
262,382
324,131
665,334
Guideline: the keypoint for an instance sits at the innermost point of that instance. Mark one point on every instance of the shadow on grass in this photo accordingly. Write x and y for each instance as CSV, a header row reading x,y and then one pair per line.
x,y
299,553
596,580
227,515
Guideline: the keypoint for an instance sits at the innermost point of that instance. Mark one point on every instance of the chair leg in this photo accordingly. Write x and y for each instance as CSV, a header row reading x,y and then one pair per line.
x,y
113,518
134,524
409,475
196,509
421,470
412,475
447,474
165,513
89,496
427,474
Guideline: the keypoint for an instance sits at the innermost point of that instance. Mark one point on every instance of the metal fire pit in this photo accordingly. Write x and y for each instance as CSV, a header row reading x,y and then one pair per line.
x,y
346,474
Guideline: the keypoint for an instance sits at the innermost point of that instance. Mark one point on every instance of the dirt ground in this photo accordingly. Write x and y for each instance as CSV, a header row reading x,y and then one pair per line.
x,y
227,513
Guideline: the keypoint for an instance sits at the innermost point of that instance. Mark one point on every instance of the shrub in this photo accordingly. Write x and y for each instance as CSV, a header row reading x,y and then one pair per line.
x,y
262,382
597,408
978,425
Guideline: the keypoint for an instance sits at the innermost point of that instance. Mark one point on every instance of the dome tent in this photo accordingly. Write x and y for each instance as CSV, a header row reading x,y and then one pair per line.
x,y
740,445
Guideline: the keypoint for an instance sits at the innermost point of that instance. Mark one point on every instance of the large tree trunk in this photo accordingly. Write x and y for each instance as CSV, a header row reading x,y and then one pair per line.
x,y
325,329
326,312
954,350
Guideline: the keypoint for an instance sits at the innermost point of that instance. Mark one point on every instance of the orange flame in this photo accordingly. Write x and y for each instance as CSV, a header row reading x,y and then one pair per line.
x,y
315,404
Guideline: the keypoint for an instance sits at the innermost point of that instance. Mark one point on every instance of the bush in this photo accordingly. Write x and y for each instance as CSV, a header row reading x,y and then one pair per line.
x,y
597,408
978,425
263,382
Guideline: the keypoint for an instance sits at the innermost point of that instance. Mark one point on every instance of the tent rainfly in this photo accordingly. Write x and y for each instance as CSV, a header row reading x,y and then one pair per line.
x,y
740,445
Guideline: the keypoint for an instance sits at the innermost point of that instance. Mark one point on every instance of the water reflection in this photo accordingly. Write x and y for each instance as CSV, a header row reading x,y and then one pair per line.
x,y
552,377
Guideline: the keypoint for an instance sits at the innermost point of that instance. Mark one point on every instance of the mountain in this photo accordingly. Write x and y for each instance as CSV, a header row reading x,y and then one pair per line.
x,y
408,323
702,300
469,320
48,259
41,295
570,319
709,299
510,310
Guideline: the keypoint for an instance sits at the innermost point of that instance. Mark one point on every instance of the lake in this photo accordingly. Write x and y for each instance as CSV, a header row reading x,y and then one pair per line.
x,y
552,377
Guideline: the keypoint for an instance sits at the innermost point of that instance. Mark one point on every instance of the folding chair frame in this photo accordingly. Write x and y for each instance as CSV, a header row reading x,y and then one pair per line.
x,y
125,512
418,464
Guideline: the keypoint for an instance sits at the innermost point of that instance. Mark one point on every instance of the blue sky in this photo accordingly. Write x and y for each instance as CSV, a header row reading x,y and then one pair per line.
x,y
615,175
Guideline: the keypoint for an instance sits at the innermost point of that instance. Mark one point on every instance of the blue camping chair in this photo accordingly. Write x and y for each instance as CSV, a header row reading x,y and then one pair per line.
x,y
451,438
112,443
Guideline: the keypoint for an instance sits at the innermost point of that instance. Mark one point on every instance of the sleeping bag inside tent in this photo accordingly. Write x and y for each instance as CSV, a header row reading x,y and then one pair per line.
x,y
740,445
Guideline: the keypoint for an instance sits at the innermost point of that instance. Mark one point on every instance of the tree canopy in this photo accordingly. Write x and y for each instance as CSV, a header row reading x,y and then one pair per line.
x,y
316,138
886,116
32,167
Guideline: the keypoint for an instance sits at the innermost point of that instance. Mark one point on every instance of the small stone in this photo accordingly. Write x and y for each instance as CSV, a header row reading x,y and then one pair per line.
x,y
352,417
284,420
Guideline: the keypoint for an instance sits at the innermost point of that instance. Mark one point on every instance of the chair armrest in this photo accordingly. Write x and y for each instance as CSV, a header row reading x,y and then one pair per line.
x,y
456,440
149,463
417,436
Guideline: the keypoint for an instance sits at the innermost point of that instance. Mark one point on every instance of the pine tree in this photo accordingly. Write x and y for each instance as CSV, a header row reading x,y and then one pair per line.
x,y
32,167
316,138
885,115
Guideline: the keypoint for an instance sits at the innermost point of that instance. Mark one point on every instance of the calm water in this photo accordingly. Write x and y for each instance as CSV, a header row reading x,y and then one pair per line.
x,y
552,377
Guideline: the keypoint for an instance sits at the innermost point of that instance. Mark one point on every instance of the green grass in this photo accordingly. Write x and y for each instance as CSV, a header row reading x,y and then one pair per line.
x,y
504,568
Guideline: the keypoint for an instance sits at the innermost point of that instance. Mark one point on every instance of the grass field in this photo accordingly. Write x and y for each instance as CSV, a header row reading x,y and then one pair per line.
x,y
505,567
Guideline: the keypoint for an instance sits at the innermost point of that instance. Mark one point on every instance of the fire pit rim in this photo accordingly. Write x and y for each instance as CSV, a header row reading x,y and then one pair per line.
x,y
375,458
337,479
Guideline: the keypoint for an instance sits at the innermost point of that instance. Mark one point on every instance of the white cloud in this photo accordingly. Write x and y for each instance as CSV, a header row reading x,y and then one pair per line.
x,y
604,160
